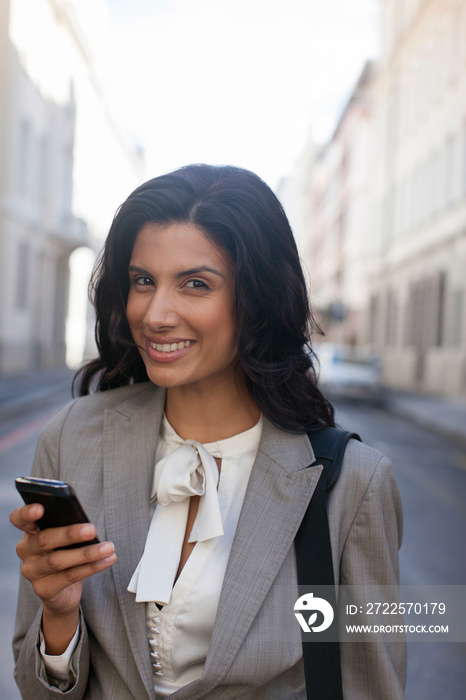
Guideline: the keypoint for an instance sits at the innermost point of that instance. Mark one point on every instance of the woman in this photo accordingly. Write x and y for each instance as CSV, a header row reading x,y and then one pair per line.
x,y
203,371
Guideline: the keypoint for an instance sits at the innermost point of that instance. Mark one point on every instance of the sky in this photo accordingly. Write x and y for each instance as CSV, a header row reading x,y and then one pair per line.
x,y
244,82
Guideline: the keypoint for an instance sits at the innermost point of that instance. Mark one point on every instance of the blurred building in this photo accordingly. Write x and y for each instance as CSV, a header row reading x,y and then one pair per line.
x,y
327,198
293,192
384,222
418,170
64,169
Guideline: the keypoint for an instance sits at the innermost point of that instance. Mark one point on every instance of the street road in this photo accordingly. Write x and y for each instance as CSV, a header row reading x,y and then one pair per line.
x,y
26,404
431,473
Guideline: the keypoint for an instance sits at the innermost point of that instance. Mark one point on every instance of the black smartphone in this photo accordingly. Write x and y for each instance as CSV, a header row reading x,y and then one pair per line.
x,y
61,505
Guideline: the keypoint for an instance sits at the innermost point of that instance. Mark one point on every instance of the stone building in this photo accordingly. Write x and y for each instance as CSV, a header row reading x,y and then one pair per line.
x,y
417,314
384,222
64,168
327,199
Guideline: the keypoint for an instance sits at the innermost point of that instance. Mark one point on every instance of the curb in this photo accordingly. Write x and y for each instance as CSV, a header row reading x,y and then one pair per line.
x,y
448,432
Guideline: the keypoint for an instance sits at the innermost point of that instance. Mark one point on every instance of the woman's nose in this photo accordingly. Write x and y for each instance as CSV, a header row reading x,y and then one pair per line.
x,y
161,311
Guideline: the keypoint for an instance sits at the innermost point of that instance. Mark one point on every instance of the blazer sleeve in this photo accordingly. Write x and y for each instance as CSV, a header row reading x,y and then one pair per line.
x,y
369,555
29,670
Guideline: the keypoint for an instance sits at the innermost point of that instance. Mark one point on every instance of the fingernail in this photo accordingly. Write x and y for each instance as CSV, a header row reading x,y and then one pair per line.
x,y
110,559
87,530
106,548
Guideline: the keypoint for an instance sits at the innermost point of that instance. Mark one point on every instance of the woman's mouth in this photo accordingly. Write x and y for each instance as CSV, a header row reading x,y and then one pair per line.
x,y
170,347
168,352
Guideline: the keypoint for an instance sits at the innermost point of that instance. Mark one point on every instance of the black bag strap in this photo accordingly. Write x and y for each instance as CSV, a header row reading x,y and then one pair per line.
x,y
322,667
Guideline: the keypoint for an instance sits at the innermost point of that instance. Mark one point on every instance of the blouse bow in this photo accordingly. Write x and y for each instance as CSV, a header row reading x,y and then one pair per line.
x,y
188,471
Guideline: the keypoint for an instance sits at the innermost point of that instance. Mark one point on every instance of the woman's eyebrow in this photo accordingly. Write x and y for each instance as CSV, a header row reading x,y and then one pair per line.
x,y
197,270
135,268
182,273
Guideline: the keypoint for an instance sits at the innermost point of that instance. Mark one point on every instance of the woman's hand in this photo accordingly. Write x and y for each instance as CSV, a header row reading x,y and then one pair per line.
x,y
57,575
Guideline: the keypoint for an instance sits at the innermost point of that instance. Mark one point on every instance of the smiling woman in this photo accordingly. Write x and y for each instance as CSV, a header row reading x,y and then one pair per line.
x,y
190,448
229,220
181,307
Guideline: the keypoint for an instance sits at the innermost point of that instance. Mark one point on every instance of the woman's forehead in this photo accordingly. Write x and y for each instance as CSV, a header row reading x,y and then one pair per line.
x,y
179,241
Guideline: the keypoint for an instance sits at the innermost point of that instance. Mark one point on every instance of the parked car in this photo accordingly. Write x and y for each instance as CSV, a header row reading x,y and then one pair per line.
x,y
348,371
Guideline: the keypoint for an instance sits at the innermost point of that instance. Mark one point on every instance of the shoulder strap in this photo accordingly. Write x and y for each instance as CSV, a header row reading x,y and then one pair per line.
x,y
322,668
329,445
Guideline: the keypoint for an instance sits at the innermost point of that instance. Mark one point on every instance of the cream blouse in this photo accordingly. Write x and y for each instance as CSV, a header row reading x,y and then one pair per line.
x,y
179,634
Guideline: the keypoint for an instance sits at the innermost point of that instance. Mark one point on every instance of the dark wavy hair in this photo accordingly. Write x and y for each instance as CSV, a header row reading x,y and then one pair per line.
x,y
241,215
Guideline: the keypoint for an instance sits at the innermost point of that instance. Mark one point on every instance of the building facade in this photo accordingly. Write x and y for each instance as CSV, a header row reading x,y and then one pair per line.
x,y
64,168
327,199
385,212
417,307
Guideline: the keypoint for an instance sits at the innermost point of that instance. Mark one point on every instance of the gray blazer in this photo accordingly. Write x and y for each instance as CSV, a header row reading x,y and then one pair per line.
x,y
104,445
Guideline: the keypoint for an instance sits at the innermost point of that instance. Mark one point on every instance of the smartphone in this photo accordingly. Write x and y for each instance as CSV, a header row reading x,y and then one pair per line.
x,y
61,505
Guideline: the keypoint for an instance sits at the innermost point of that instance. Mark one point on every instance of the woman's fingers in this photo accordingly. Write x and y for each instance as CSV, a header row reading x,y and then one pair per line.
x,y
43,541
56,574
56,537
53,583
46,563
44,557
24,517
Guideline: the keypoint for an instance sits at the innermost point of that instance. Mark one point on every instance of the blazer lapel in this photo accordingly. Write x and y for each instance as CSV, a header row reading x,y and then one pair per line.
x,y
278,494
128,473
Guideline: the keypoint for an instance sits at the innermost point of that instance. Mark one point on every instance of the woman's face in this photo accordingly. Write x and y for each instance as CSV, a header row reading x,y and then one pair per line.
x,y
181,306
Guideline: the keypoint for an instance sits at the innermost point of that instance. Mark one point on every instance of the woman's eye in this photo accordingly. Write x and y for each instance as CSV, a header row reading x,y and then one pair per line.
x,y
197,284
142,281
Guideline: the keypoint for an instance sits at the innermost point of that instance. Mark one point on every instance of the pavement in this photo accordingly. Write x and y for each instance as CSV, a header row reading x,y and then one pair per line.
x,y
444,416
26,393
32,391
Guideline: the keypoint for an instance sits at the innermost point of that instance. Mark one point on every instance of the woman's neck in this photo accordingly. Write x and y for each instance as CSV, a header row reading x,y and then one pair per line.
x,y
208,414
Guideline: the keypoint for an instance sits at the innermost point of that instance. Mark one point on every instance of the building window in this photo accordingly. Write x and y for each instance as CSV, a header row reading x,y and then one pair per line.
x,y
457,318
464,154
449,168
67,181
22,275
25,155
408,326
390,320
373,316
430,185
437,182
41,169
418,316
441,286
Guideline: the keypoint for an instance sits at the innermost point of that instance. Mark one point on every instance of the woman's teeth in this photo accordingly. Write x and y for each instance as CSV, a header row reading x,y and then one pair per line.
x,y
170,347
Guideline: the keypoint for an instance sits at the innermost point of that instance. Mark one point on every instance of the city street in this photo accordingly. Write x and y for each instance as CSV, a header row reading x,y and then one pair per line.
x,y
431,473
